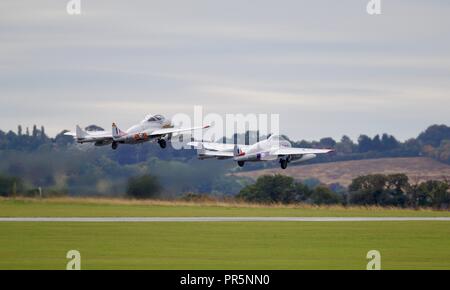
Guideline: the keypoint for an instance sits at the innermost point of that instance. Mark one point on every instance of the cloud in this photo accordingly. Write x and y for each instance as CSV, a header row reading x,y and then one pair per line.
x,y
321,64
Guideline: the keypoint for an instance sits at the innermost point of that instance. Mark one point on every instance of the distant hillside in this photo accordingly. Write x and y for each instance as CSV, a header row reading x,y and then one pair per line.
x,y
417,169
32,159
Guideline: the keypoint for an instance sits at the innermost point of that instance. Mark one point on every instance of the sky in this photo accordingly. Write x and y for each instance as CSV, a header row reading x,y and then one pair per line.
x,y
328,68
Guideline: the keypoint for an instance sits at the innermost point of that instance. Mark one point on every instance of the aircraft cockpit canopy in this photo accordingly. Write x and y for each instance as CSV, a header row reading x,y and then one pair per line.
x,y
280,140
154,118
277,138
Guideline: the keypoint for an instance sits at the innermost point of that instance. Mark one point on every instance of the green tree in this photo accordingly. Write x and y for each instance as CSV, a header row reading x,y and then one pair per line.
x,y
434,193
397,187
379,189
411,147
345,146
324,195
388,142
327,142
434,135
376,143
146,186
35,131
364,144
10,186
302,191
270,188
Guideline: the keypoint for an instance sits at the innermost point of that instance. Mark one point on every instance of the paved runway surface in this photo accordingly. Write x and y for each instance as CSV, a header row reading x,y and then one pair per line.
x,y
217,219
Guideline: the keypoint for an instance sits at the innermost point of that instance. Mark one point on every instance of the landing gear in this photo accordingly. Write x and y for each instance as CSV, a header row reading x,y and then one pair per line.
x,y
114,145
241,163
162,143
283,163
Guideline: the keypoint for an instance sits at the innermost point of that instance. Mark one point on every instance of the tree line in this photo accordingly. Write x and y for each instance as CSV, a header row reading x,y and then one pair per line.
x,y
433,142
59,165
377,189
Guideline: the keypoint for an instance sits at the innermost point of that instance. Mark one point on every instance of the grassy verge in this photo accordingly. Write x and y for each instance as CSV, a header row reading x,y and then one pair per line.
x,y
89,207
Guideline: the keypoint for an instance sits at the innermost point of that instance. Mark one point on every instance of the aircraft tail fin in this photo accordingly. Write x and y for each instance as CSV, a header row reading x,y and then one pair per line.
x,y
237,151
80,133
201,149
116,132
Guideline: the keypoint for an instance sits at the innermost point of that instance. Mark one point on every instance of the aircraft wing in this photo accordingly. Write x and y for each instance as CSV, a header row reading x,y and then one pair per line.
x,y
214,150
299,151
70,134
175,130
211,146
101,136
218,154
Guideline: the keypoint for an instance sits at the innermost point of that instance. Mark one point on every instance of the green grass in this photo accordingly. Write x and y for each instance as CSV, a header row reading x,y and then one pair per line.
x,y
256,245
236,245
118,208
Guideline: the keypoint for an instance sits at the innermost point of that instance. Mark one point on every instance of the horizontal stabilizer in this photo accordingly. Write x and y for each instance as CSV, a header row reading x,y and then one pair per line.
x,y
176,130
70,134
215,146
299,151
217,154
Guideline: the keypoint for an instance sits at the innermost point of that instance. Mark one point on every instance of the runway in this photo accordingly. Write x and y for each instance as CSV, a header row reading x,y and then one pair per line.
x,y
217,219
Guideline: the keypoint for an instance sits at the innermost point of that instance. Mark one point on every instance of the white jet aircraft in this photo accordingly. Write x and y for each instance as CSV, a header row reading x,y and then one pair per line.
x,y
152,128
273,148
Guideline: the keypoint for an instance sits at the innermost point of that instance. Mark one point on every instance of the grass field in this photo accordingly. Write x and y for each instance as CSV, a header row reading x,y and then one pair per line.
x,y
221,245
